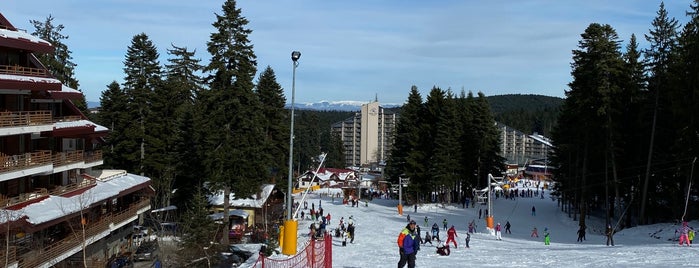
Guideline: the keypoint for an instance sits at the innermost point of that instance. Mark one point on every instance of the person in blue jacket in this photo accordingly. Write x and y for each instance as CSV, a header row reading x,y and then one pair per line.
x,y
407,246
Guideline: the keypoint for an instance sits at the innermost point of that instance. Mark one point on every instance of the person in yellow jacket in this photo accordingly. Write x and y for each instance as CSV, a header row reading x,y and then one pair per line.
x,y
690,235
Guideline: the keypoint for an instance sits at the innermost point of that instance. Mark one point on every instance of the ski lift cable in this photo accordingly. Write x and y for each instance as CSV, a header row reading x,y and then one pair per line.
x,y
315,175
689,187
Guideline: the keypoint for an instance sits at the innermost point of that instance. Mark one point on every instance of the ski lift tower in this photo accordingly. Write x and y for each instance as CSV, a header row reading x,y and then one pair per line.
x,y
401,180
494,181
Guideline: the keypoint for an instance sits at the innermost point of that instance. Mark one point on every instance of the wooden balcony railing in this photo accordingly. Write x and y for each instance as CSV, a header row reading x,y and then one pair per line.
x,y
22,70
65,158
23,161
23,197
64,189
36,257
92,156
28,118
8,254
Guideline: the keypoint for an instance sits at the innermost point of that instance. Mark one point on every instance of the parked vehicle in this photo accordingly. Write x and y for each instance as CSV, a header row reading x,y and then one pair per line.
x,y
147,251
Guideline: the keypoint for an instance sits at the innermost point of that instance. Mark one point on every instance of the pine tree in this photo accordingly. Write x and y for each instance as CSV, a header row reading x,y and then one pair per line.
x,y
275,124
405,160
233,152
199,231
113,115
143,76
662,40
182,86
60,63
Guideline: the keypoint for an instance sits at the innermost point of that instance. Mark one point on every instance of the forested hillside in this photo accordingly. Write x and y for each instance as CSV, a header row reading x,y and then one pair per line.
x,y
526,113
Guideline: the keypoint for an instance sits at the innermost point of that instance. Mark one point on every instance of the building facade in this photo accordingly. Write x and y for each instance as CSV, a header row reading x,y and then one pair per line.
x,y
55,205
368,135
520,148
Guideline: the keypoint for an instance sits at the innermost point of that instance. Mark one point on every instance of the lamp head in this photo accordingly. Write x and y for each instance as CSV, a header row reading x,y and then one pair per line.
x,y
295,55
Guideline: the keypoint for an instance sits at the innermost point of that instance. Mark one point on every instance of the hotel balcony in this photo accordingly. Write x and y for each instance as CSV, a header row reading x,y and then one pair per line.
x,y
15,123
59,250
24,71
43,162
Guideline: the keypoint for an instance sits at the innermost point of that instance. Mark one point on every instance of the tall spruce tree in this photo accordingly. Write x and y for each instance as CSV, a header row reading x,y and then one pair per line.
x,y
60,64
446,157
275,124
183,83
143,77
405,137
234,154
113,114
662,40
584,134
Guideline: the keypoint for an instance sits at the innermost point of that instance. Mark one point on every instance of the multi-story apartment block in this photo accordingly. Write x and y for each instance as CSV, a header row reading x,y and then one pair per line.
x,y
55,206
520,148
368,135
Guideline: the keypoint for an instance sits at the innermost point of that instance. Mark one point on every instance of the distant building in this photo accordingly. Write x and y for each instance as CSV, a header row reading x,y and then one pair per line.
x,y
54,202
520,148
367,136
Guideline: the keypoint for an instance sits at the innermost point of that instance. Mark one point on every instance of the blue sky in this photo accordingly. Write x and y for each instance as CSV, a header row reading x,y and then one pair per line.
x,y
356,50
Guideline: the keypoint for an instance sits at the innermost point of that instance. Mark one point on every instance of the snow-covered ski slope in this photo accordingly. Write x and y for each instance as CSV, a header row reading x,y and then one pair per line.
x,y
378,225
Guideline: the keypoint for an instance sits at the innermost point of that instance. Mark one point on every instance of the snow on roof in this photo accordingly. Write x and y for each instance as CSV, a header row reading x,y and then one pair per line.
x,y
254,202
55,207
5,33
78,123
233,212
30,79
325,174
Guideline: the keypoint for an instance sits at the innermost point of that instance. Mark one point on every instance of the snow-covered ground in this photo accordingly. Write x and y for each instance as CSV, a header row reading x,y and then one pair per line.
x,y
378,225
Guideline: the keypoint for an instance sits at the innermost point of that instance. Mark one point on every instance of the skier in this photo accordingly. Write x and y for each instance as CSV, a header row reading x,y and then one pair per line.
x,y
415,208
425,221
443,250
451,236
581,234
684,234
533,211
408,217
427,239
535,233
690,235
610,235
471,226
507,227
480,211
406,246
498,232
468,239
547,238
435,232
444,222
350,231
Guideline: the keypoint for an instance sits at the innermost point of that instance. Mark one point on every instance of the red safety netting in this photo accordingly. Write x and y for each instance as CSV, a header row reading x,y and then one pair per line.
x,y
316,254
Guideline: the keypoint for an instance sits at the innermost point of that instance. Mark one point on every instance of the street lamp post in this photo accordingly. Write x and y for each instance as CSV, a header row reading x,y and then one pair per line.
x,y
295,59
290,225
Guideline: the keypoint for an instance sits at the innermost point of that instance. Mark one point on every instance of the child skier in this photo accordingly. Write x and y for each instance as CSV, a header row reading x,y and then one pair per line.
x,y
535,233
443,250
547,238
498,232
468,239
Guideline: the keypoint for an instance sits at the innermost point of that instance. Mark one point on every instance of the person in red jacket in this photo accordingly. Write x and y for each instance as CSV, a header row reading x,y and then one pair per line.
x,y
451,233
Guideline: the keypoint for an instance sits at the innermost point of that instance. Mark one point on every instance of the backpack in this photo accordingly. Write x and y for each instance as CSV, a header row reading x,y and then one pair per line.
x,y
401,237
